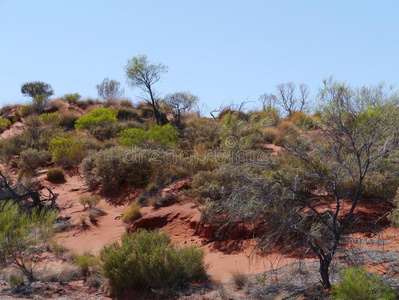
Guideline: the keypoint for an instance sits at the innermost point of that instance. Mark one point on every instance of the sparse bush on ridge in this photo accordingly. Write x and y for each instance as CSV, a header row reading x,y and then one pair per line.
x,y
4,124
149,260
72,98
97,117
50,118
163,136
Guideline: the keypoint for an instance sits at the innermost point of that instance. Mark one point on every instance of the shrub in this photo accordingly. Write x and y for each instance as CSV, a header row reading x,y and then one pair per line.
x,y
107,131
68,150
394,216
55,175
270,134
30,159
358,284
16,281
85,262
239,279
148,260
68,119
90,201
202,133
26,110
4,124
163,136
97,117
302,120
72,97
50,118
132,213
24,236
115,166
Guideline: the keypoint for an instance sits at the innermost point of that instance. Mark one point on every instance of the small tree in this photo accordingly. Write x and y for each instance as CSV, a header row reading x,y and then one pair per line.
x,y
36,88
24,236
287,98
40,93
181,103
109,90
143,74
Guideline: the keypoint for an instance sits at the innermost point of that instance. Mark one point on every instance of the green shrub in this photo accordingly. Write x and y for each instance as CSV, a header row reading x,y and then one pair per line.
x,y
302,120
358,284
30,159
85,262
90,201
68,119
115,166
68,150
202,133
132,213
163,136
55,175
107,131
16,281
394,216
149,260
4,124
24,236
97,117
72,97
50,118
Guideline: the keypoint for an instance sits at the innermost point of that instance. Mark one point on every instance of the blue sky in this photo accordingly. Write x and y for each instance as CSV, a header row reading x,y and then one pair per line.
x,y
222,51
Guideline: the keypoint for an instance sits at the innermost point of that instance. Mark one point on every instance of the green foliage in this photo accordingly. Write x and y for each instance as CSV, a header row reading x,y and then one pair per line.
x,y
72,98
202,133
4,123
50,118
90,201
36,88
24,236
358,284
55,175
85,262
303,121
69,149
109,90
394,216
97,117
163,136
16,281
148,260
132,213
30,159
26,110
107,131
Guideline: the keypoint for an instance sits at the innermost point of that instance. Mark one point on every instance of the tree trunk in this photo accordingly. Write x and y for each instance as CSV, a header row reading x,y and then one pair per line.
x,y
324,272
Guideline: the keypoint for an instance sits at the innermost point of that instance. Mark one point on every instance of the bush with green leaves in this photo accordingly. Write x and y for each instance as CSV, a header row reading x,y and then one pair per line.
x,y
4,124
97,117
107,131
69,149
24,236
30,159
116,166
85,262
72,98
149,260
165,136
50,118
55,175
132,213
358,284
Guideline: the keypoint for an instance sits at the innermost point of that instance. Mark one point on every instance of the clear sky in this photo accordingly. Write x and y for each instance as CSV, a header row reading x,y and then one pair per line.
x,y
220,50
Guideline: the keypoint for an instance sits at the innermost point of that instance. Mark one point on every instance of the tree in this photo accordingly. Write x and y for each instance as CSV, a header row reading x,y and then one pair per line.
x,y
287,97
360,131
36,88
181,103
359,136
109,90
143,74
24,236
40,93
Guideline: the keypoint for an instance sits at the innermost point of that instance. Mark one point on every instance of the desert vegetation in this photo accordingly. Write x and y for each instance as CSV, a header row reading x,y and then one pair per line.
x,y
290,174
